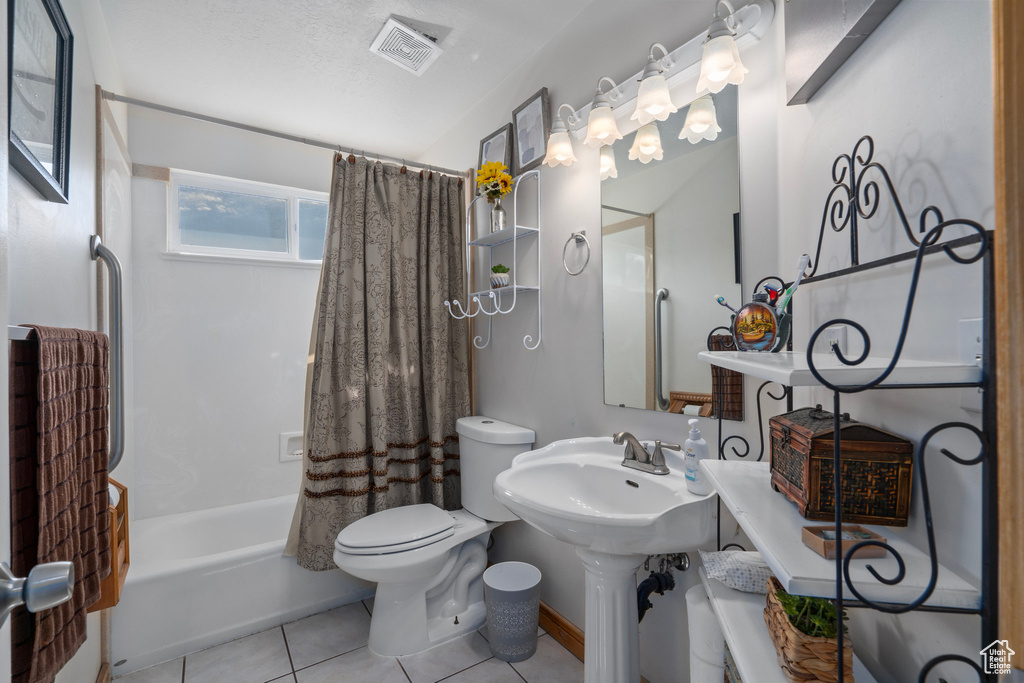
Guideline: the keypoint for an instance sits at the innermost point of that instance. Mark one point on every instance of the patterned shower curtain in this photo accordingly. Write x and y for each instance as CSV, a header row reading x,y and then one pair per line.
x,y
390,368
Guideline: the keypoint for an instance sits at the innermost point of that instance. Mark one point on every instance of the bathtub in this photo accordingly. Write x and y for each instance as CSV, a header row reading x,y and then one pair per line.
x,y
198,579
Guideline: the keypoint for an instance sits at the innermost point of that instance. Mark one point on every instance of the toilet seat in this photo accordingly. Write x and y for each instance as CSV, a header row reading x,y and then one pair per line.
x,y
396,530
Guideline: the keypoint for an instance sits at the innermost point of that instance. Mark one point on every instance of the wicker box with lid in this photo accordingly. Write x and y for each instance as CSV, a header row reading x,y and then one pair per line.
x,y
876,468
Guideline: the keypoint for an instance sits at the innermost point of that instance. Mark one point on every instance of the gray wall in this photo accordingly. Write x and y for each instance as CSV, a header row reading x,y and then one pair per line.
x,y
50,277
921,84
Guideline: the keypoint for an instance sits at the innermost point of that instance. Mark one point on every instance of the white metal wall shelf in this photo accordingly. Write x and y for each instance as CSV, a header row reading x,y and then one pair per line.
x,y
497,299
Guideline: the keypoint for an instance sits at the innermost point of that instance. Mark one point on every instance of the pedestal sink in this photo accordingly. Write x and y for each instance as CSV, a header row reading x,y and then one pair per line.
x,y
578,491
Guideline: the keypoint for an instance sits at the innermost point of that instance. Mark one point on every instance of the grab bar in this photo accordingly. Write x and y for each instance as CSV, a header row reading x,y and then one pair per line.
x,y
662,295
98,251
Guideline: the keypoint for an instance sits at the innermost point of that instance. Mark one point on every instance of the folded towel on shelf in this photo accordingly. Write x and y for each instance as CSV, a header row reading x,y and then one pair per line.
x,y
59,502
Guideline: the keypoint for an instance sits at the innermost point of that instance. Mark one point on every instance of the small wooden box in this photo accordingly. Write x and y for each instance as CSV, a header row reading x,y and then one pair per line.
x,y
120,557
876,468
813,538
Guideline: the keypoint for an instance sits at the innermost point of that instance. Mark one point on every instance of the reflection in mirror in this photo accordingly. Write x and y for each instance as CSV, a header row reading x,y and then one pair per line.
x,y
671,224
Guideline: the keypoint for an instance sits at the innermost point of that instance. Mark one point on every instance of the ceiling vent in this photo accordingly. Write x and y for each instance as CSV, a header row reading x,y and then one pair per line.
x,y
405,46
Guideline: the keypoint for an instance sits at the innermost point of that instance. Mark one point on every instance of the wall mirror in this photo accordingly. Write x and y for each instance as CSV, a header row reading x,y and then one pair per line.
x,y
670,225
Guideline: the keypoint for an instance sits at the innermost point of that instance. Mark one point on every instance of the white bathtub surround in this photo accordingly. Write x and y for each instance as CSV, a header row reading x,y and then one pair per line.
x,y
345,657
203,578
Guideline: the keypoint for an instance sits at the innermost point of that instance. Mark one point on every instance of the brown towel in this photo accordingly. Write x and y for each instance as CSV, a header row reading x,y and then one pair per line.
x,y
59,502
727,383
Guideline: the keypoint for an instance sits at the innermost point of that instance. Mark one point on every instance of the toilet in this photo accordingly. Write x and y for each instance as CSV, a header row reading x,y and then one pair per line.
x,y
428,562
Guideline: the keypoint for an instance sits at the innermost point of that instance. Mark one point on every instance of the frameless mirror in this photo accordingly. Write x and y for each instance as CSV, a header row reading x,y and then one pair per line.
x,y
669,226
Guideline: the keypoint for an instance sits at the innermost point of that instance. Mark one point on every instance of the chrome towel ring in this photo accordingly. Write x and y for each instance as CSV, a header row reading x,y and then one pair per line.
x,y
577,237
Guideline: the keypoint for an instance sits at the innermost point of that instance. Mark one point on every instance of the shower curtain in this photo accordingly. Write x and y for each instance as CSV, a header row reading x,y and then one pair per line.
x,y
390,366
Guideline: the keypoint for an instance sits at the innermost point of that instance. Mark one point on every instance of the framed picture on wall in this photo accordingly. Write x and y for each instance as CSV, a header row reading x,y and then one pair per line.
x,y
497,147
531,125
40,47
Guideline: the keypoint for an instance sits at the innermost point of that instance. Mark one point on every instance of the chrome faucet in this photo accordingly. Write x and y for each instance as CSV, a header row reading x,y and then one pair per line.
x,y
637,457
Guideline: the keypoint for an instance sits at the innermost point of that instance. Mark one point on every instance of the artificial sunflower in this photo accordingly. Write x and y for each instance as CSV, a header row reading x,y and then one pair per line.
x,y
493,180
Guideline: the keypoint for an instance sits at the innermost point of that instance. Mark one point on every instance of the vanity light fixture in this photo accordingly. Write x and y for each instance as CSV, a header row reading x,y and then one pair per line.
x,y
601,126
653,101
720,64
646,144
608,169
559,145
701,121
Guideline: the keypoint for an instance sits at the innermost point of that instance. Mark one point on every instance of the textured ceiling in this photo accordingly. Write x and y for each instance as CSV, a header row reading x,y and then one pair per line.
x,y
304,66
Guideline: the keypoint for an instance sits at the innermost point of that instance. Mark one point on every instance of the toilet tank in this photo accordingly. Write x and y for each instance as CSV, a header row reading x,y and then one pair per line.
x,y
486,447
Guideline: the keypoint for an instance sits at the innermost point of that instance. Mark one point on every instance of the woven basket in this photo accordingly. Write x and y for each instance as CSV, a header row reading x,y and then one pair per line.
x,y
803,657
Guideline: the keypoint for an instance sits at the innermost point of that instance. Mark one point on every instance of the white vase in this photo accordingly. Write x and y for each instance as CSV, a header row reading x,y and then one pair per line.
x,y
499,280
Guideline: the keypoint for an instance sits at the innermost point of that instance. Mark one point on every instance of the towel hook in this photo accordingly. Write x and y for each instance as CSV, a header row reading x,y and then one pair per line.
x,y
577,237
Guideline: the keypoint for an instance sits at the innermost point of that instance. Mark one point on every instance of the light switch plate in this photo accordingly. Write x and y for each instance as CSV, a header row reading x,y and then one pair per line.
x,y
290,446
972,344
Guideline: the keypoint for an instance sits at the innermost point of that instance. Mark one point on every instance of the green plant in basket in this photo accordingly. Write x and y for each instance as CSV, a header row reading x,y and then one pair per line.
x,y
499,269
815,617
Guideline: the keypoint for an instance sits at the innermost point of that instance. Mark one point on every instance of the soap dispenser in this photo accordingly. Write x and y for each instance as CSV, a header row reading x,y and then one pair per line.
x,y
696,450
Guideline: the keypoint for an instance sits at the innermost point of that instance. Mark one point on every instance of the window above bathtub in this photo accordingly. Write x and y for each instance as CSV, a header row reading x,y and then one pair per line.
x,y
232,219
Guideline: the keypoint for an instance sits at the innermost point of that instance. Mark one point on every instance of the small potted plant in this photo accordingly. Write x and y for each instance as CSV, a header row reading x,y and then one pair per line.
x,y
803,631
494,182
499,276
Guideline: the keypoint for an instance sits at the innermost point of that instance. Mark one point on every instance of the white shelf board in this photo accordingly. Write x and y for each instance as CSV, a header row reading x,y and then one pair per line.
x,y
507,235
790,368
483,294
741,618
773,525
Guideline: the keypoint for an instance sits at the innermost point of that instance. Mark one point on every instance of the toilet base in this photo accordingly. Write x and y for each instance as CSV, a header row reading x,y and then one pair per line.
x,y
395,639
413,616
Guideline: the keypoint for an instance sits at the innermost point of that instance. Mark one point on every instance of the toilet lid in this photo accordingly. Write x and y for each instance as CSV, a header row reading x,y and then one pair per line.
x,y
396,530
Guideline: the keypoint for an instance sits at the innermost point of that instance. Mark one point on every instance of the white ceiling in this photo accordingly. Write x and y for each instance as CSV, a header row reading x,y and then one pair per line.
x,y
304,66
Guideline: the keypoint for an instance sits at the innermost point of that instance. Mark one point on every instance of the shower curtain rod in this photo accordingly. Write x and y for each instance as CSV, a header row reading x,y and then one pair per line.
x,y
107,95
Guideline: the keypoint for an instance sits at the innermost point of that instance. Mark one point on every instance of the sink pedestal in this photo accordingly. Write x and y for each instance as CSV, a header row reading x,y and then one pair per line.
x,y
612,643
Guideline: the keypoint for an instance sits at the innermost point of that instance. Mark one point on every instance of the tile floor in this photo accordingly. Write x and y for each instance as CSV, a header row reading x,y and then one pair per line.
x,y
330,647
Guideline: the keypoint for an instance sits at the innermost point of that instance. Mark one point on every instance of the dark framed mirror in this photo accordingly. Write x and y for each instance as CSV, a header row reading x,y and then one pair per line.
x,y
39,51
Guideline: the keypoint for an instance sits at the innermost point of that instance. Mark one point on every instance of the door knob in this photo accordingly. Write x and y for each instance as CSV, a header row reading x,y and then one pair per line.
x,y
46,586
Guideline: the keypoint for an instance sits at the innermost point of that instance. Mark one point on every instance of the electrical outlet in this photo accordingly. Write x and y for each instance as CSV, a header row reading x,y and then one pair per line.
x,y
290,446
835,338
972,345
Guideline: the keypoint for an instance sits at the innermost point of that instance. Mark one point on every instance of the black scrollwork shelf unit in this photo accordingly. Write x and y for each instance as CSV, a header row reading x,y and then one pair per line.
x,y
856,195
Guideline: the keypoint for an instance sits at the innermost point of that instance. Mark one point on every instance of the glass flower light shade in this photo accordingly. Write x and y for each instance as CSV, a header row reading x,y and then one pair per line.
x,y
701,121
720,63
608,169
646,144
653,102
559,144
601,126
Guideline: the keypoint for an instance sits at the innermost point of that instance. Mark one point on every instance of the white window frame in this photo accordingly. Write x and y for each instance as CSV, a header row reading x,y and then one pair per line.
x,y
251,187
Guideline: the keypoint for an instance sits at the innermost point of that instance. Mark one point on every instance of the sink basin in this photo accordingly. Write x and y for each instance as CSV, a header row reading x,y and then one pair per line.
x,y
578,491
